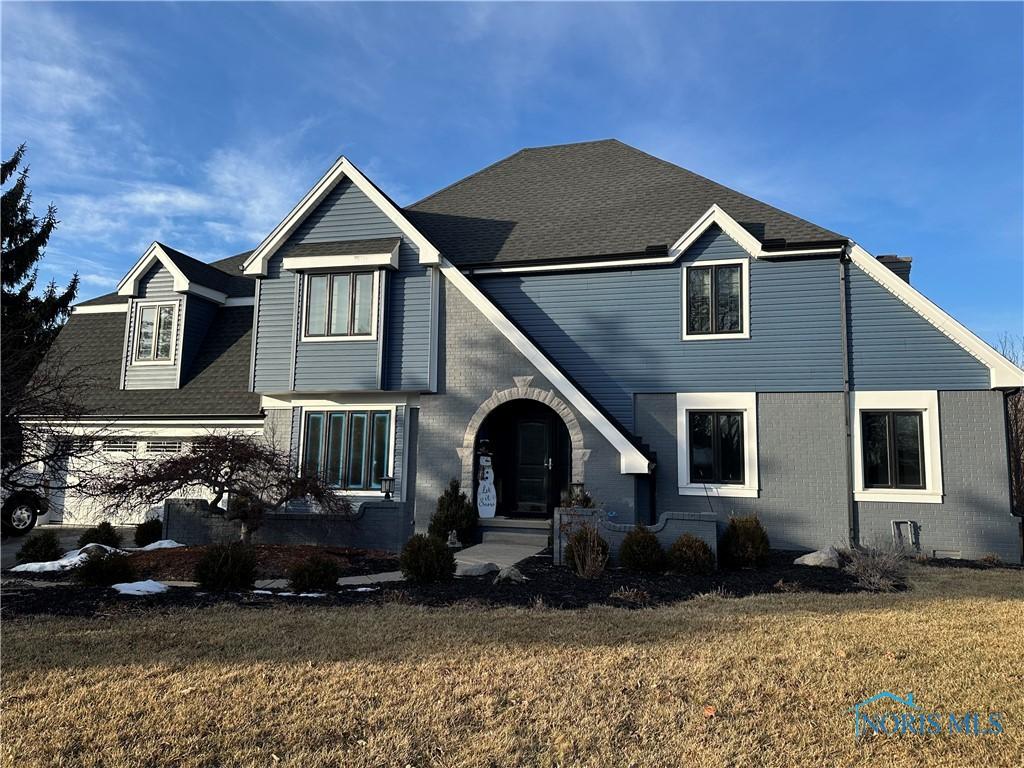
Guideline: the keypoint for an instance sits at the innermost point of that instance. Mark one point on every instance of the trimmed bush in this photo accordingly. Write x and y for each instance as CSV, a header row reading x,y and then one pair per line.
x,y
426,559
40,547
744,543
104,533
148,532
224,567
101,569
316,574
586,552
691,556
455,512
641,551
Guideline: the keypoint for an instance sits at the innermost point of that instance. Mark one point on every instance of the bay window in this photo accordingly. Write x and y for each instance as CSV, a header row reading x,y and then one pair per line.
x,y
340,305
350,449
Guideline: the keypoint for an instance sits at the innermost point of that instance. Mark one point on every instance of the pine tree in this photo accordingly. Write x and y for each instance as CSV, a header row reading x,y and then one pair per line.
x,y
29,321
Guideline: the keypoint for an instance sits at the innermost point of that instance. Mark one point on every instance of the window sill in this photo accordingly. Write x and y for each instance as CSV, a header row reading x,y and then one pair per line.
x,y
733,491
150,363
899,496
714,336
308,339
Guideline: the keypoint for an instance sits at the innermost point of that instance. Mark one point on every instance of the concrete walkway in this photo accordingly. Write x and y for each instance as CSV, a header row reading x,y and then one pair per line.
x,y
501,554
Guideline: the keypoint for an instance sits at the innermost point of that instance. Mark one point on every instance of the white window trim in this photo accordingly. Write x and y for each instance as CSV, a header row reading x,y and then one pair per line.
x,y
724,401
926,401
137,307
744,265
389,407
372,336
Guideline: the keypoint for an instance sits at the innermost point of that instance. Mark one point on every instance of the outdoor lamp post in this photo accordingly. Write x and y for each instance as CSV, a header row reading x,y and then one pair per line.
x,y
387,487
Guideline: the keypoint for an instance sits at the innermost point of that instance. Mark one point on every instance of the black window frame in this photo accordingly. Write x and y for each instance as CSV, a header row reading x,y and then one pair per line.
x,y
366,482
352,275
713,269
716,446
892,465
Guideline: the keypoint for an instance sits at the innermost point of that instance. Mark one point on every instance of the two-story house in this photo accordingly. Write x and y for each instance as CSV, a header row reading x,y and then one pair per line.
x,y
585,315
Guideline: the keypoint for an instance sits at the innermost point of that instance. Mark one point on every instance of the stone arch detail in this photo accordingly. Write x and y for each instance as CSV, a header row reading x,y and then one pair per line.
x,y
523,391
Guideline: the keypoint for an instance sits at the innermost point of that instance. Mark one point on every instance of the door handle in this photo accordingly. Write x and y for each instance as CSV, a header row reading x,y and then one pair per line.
x,y
549,463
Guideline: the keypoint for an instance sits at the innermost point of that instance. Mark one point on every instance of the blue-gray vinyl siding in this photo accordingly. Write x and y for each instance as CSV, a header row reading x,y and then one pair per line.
x,y
156,284
617,332
199,313
284,362
893,347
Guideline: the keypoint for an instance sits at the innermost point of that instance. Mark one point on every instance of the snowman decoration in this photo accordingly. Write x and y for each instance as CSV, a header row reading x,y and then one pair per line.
x,y
486,496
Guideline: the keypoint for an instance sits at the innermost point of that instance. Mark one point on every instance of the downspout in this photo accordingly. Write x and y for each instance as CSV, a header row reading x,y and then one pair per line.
x,y
844,333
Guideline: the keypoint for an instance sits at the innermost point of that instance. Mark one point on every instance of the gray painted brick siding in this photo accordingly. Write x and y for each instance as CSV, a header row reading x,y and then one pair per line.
x,y
157,283
475,361
617,332
345,214
803,478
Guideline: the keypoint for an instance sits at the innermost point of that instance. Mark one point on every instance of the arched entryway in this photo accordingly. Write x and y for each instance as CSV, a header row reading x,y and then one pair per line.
x,y
531,455
530,426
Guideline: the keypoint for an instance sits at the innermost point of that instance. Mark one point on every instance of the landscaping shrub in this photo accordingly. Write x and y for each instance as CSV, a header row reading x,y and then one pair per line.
x,y
104,533
101,569
641,551
426,559
691,556
226,567
876,569
316,574
455,512
148,532
580,499
40,547
744,543
586,552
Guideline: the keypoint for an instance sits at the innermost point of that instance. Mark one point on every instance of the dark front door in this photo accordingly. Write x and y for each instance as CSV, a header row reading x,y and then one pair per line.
x,y
533,466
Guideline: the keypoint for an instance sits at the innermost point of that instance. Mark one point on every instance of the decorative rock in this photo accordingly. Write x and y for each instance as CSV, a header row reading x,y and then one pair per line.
x,y
510,574
823,558
478,569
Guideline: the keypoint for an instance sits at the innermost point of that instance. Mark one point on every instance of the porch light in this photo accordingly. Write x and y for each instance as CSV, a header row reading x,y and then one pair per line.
x,y
387,487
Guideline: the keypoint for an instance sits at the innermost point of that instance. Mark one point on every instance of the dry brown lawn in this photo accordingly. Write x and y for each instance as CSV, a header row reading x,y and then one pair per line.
x,y
760,681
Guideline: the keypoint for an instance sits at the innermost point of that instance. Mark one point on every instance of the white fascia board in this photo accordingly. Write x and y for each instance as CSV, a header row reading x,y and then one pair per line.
x,y
1003,372
100,309
256,264
631,460
129,285
355,261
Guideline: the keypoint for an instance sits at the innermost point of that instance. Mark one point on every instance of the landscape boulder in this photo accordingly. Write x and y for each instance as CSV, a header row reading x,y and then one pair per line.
x,y
509,575
477,569
823,558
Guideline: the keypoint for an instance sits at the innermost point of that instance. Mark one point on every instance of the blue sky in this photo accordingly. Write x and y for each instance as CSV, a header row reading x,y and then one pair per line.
x,y
200,125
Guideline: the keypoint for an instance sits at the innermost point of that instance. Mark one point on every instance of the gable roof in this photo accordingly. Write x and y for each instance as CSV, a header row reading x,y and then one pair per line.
x,y
232,281
215,384
581,200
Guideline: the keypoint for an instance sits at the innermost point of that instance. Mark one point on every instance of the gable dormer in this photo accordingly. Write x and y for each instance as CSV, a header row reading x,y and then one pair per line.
x,y
172,299
347,294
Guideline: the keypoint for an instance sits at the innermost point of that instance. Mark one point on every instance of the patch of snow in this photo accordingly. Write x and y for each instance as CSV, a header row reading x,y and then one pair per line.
x,y
262,592
302,594
147,587
162,544
70,560
364,589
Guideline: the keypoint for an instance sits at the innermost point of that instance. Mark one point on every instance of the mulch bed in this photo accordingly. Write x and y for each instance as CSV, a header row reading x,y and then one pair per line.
x,y
555,587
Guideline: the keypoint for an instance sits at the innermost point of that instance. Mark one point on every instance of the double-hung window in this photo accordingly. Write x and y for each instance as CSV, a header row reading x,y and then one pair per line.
x,y
893,449
154,339
340,305
715,301
350,449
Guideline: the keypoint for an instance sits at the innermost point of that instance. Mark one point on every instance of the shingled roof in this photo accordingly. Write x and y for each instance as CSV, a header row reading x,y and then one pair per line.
x,y
581,200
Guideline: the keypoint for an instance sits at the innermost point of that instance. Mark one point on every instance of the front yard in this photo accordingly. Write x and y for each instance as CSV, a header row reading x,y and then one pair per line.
x,y
764,680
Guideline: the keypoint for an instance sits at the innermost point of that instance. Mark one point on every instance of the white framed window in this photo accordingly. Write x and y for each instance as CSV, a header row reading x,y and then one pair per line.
x,y
716,433
897,446
164,446
352,447
156,328
119,445
716,300
340,306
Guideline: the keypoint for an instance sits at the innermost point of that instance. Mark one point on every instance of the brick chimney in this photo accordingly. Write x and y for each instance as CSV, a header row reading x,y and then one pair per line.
x,y
898,264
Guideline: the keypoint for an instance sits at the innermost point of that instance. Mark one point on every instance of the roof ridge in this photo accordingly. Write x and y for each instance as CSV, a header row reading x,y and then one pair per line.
x,y
574,144
464,179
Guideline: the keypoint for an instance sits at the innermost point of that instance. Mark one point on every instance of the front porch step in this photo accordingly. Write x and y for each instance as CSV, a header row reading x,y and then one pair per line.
x,y
509,530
